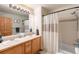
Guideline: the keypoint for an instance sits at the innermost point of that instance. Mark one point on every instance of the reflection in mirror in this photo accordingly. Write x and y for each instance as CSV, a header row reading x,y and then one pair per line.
x,y
13,22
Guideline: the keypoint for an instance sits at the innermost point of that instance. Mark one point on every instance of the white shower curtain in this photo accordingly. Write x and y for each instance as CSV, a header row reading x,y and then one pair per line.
x,y
50,33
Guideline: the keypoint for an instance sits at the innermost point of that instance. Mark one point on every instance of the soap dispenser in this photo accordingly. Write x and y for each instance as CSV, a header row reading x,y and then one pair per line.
x,y
37,31
0,38
30,29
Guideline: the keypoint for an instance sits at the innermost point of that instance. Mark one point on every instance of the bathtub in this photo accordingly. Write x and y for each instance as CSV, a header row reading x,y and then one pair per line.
x,y
77,48
66,47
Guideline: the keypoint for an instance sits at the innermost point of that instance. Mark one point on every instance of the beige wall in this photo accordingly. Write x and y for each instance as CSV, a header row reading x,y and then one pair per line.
x,y
38,19
68,32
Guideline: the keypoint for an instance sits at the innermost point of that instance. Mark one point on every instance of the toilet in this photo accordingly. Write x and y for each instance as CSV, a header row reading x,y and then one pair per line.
x,y
77,50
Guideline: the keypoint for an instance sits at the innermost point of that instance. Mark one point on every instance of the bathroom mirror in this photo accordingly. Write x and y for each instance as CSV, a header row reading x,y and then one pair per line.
x,y
13,20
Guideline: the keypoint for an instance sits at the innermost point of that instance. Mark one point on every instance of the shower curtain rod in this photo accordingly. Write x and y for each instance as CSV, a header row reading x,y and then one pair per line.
x,y
62,10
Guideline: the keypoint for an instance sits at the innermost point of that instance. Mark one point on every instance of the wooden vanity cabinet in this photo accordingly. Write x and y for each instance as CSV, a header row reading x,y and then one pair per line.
x,y
19,49
36,45
28,48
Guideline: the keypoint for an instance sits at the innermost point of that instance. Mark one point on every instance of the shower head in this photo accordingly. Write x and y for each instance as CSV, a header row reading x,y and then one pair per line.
x,y
73,13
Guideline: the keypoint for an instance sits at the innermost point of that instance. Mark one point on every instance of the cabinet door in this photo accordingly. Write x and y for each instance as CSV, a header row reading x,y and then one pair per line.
x,y
2,25
28,47
15,50
36,45
5,26
8,26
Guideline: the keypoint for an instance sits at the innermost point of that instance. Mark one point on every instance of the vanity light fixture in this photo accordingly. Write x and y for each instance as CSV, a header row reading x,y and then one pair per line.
x,y
10,5
28,12
18,9
14,7
15,21
21,10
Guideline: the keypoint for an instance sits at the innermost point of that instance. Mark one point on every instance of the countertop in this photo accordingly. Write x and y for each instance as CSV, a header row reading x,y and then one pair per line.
x,y
10,43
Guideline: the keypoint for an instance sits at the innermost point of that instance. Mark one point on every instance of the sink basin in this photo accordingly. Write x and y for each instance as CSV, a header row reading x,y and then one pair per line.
x,y
16,39
6,42
28,36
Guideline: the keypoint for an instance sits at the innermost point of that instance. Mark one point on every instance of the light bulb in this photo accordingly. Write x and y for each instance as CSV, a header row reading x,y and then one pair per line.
x,y
10,5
